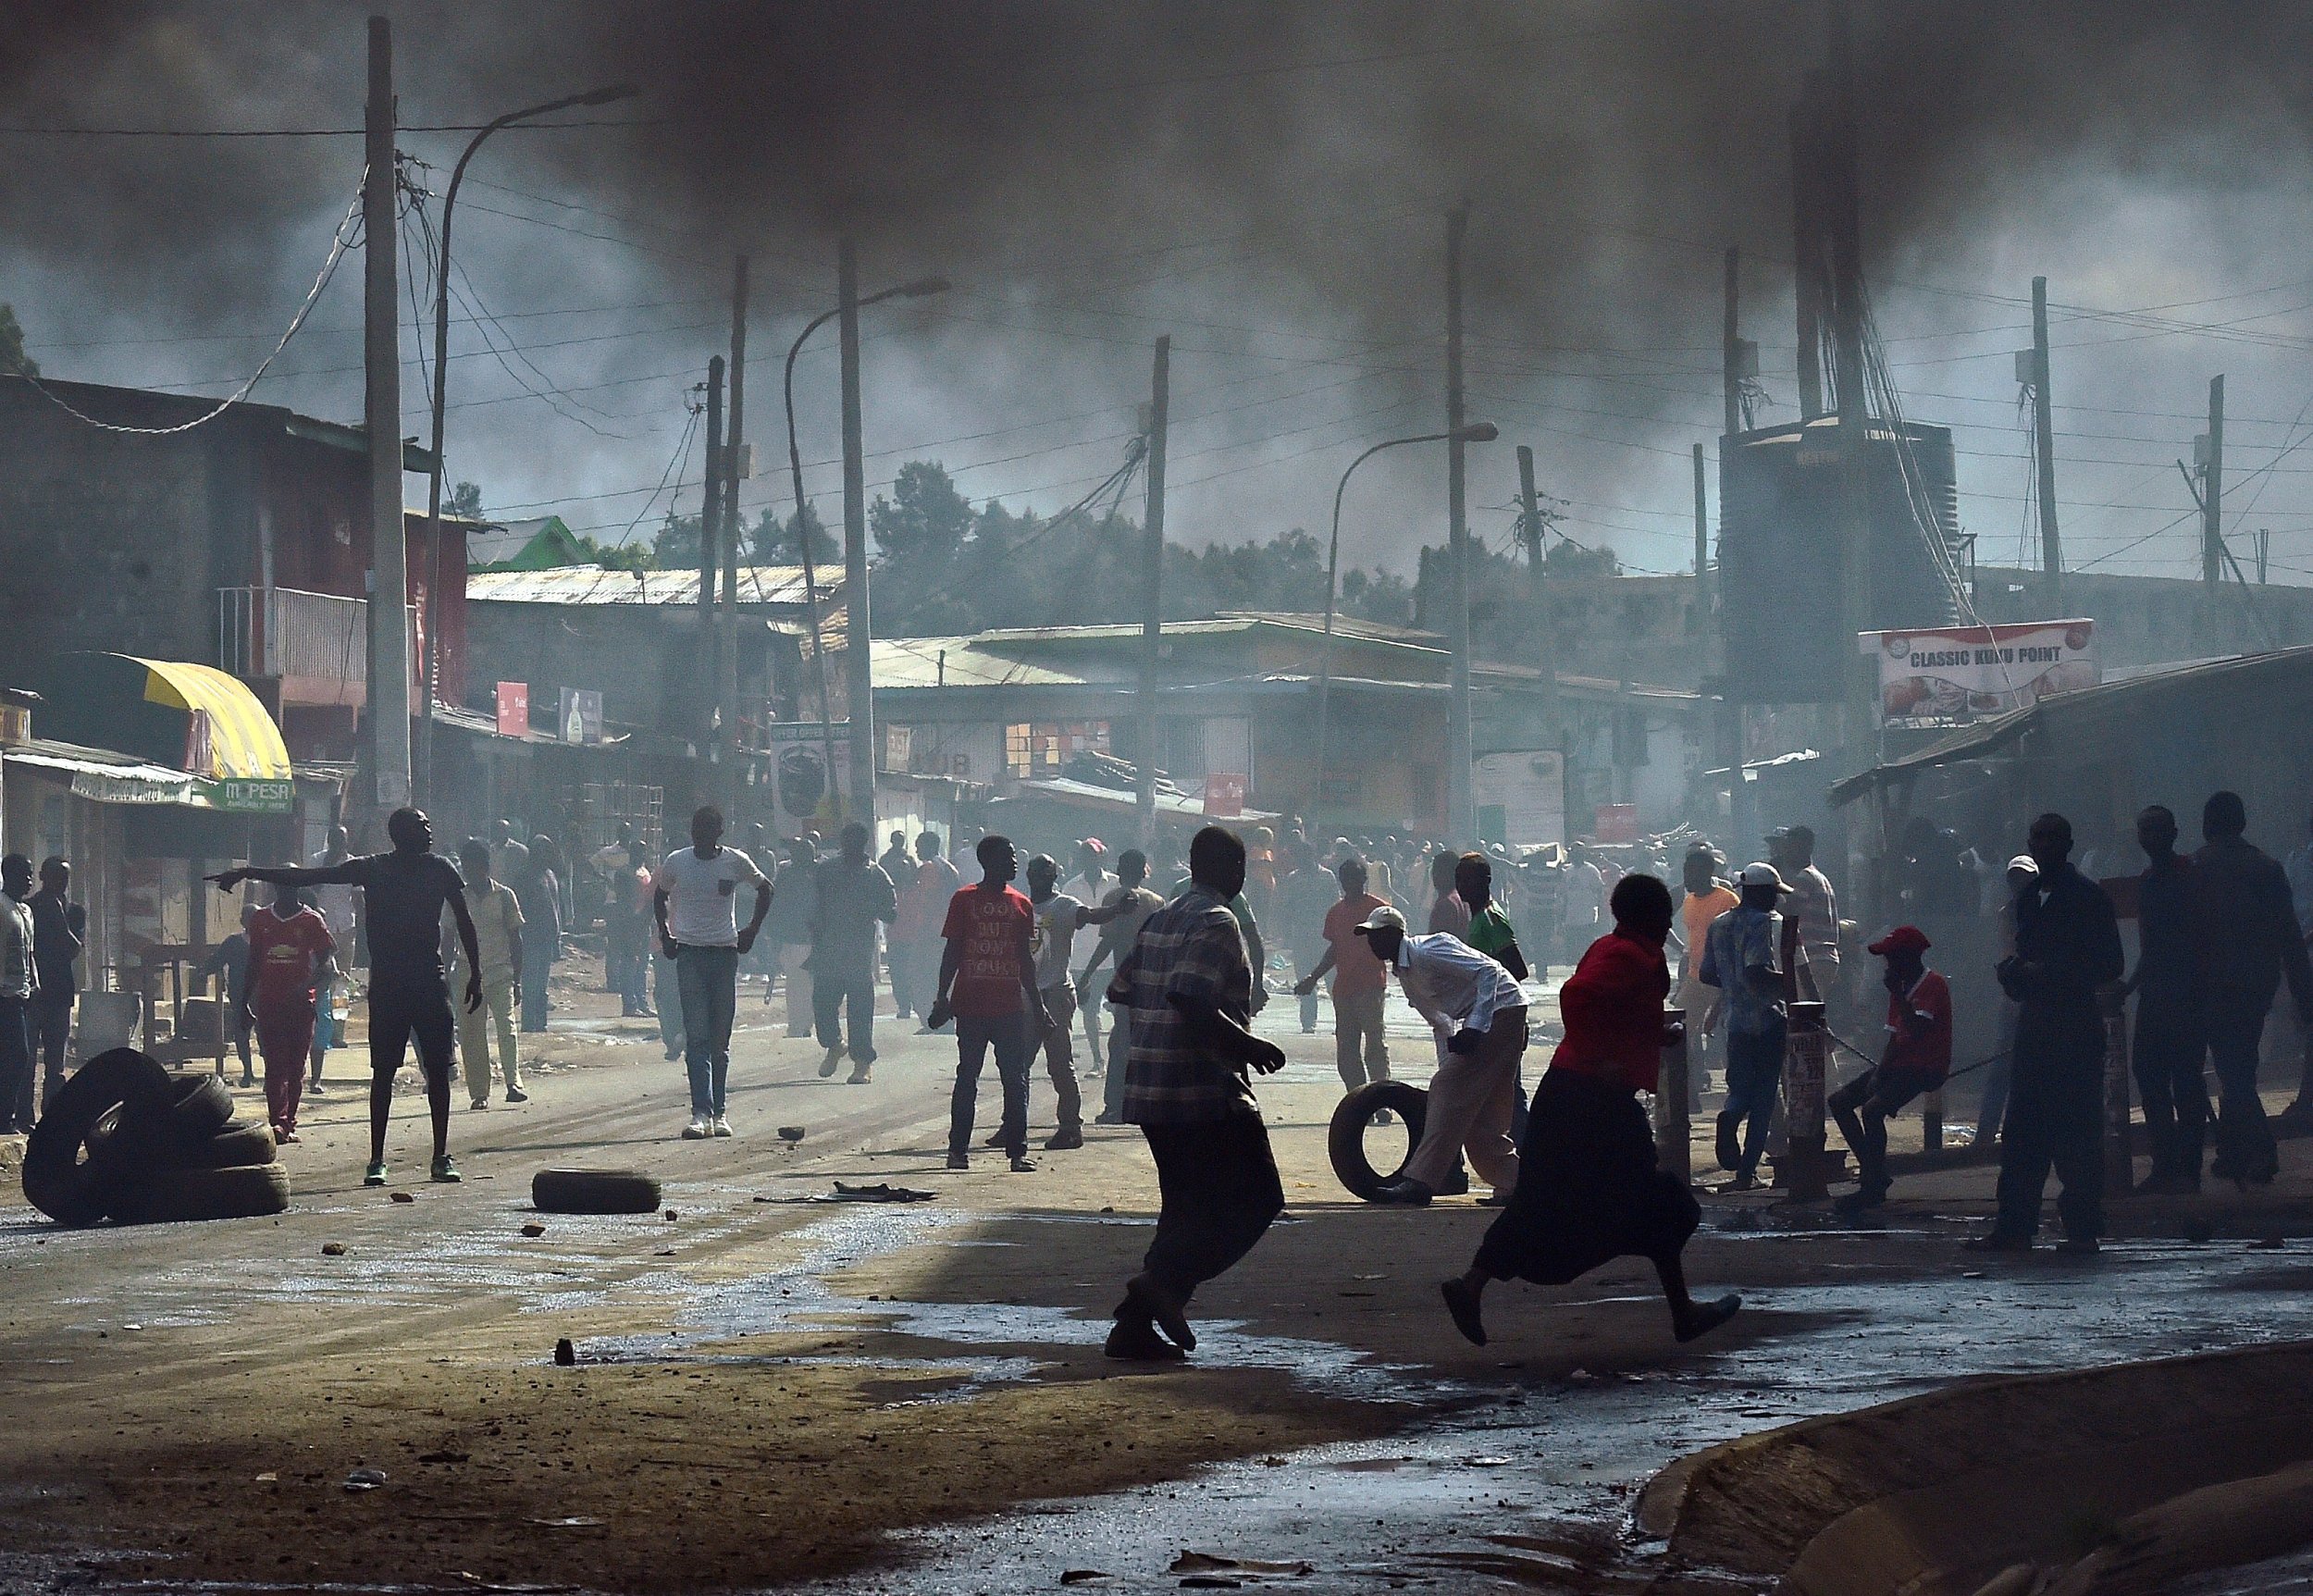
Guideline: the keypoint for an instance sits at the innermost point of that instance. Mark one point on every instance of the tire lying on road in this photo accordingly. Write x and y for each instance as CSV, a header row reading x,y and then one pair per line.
x,y
171,1197
594,1192
234,1147
74,1169
198,1107
1345,1138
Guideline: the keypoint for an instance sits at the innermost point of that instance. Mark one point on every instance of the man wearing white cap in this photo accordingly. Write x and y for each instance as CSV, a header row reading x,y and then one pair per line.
x,y
1477,1012
1742,957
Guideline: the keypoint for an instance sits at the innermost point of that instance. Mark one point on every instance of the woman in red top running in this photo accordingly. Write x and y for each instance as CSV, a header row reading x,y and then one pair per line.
x,y
1589,1190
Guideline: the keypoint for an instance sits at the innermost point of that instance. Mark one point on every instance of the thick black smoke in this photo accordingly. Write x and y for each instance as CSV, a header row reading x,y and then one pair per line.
x,y
1055,159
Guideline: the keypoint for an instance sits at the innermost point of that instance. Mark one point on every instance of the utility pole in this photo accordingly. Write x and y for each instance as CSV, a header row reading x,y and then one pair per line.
x,y
381,413
1702,547
1807,253
1856,587
1461,822
2043,431
727,645
858,629
1731,350
1545,652
2212,490
710,514
1153,592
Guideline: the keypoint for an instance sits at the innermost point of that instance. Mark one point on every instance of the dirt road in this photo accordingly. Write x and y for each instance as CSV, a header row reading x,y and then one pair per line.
x,y
774,1391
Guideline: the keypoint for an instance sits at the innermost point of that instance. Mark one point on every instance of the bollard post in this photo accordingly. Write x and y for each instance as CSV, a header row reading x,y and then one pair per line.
x,y
2120,1173
1807,1176
1674,1135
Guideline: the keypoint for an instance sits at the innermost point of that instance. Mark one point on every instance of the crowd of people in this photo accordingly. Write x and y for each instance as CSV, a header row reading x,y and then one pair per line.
x,y
458,957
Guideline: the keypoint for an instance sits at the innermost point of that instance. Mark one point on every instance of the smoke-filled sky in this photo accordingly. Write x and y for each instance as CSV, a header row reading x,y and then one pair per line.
x,y
1266,182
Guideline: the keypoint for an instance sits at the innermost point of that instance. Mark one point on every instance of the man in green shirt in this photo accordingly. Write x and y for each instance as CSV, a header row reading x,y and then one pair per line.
x,y
1490,930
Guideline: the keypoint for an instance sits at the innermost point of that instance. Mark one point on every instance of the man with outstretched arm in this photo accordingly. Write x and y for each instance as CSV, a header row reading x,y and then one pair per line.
x,y
405,893
694,899
1188,989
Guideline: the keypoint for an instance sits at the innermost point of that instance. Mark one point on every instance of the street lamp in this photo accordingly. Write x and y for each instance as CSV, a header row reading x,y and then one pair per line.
x,y
1476,432
441,374
922,288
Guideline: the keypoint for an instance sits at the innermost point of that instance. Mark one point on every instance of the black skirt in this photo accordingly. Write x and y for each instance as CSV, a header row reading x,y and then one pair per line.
x,y
1587,1191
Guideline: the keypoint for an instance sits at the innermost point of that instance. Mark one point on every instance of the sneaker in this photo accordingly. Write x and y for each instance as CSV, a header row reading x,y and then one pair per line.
x,y
699,1130
1022,1163
284,1138
2078,1247
1155,1303
1403,1193
995,1139
1457,1184
479,1103
719,1126
673,1053
1066,1140
516,1094
376,1174
858,1076
960,1160
317,1090
247,1082
1382,1117
827,1065
445,1173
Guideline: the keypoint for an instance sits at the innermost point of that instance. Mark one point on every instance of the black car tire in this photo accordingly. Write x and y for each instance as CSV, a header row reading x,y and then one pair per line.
x,y
174,1197
1345,1138
234,1147
594,1192
73,1167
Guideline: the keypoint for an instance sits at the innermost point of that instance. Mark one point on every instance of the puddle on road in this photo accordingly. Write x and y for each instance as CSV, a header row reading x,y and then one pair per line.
x,y
1528,1457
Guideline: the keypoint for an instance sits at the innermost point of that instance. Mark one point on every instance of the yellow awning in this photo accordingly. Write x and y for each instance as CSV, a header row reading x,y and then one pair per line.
x,y
243,741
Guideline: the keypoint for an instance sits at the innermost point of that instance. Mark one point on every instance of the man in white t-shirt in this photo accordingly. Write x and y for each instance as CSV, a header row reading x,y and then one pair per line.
x,y
695,900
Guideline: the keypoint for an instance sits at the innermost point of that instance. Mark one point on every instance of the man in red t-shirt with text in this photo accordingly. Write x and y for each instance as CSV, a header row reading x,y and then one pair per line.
x,y
989,985
1918,1060
1360,982
290,947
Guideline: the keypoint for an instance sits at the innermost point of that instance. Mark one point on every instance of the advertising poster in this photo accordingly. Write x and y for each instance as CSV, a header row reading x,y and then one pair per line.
x,y
1934,676
1520,797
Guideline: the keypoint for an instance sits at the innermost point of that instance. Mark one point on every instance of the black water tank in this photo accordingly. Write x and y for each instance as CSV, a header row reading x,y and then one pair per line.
x,y
1783,516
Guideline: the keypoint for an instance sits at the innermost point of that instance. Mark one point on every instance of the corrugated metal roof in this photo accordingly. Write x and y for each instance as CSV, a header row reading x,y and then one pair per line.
x,y
965,663
2111,711
780,585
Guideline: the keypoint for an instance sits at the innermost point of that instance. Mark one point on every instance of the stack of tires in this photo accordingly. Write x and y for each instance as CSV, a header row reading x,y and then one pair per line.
x,y
126,1140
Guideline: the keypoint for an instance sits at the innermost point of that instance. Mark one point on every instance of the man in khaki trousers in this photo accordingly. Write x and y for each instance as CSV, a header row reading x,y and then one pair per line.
x,y
1477,1012
497,937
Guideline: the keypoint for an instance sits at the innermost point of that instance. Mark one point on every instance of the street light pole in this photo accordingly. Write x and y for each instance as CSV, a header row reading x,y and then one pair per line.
x,y
1476,432
441,370
922,288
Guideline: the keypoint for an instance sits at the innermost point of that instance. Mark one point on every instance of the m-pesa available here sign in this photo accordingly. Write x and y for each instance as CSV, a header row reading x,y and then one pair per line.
x,y
1971,672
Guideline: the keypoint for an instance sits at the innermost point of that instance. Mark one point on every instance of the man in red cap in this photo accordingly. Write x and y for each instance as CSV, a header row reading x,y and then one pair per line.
x,y
1917,1060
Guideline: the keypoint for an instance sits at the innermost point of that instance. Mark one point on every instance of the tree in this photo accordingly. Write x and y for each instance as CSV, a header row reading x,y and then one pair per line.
x,y
774,542
464,499
12,356
675,545
617,556
925,518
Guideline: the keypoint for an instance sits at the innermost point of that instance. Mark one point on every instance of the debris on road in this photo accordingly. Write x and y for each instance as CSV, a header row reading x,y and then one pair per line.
x,y
333,1249
534,1228
791,1133
594,1192
405,1196
366,1479
566,1355
881,1192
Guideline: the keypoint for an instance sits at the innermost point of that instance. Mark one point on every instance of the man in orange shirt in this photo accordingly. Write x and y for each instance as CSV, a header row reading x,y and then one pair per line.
x,y
289,949
1707,898
1918,1058
1360,981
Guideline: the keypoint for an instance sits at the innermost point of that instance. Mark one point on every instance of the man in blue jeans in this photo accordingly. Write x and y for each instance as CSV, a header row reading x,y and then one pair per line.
x,y
854,897
694,897
1742,958
988,986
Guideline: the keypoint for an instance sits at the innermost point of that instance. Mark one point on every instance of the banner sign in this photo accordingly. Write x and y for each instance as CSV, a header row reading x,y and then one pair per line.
x,y
513,709
582,715
1520,797
1935,675
1224,795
